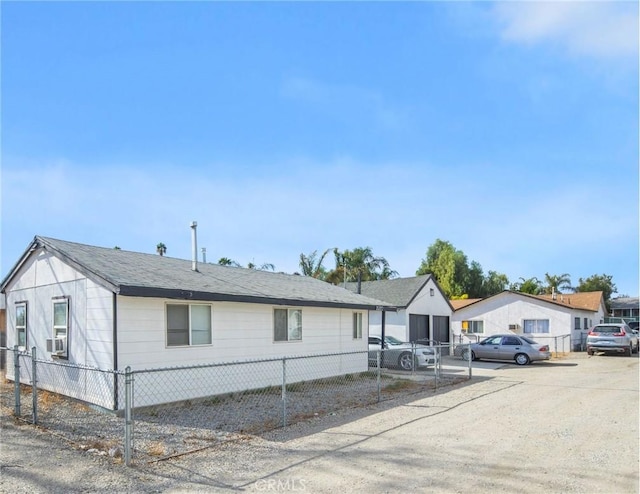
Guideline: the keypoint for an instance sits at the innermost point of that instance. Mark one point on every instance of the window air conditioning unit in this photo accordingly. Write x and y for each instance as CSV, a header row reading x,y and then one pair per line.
x,y
60,345
57,346
514,327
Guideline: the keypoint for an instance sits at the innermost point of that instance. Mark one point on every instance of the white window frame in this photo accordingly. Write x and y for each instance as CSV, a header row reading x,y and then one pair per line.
x,y
474,327
357,326
535,326
191,331
21,329
293,325
60,330
576,324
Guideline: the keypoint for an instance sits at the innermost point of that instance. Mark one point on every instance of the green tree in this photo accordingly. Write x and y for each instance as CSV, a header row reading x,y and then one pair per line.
x,y
557,283
311,265
474,284
449,267
494,283
161,249
598,283
532,286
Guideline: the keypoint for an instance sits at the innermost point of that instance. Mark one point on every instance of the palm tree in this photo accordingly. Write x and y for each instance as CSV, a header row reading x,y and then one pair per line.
x,y
225,261
532,286
161,249
262,267
312,266
557,283
359,264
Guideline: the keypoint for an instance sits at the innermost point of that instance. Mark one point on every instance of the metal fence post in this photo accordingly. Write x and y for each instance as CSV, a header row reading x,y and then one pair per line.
x,y
378,373
413,357
34,385
16,381
284,391
128,417
470,358
437,366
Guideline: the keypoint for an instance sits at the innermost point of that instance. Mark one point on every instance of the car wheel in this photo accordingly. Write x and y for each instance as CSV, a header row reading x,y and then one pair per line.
x,y
522,359
405,361
629,351
465,355
589,351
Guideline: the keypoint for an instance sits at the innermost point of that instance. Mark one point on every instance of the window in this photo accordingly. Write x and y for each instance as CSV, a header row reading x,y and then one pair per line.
x,y
536,325
511,341
577,323
357,325
61,318
473,326
287,324
21,324
586,325
188,324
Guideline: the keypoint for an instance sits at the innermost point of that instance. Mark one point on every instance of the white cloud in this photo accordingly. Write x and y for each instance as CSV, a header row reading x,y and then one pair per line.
x,y
595,29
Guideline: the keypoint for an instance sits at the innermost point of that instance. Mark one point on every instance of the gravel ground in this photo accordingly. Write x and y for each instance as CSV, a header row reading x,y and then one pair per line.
x,y
568,425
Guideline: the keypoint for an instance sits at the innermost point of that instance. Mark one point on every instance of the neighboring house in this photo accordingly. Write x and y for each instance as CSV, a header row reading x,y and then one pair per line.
x,y
423,311
113,309
625,307
558,318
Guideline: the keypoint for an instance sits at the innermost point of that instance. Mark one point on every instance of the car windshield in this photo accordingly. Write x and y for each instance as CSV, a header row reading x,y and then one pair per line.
x,y
390,340
529,340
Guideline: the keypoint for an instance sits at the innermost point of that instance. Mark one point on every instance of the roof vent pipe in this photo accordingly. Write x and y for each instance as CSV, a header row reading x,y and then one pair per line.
x,y
194,246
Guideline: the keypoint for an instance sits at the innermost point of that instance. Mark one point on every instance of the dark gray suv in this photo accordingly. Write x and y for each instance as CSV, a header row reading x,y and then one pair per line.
x,y
612,337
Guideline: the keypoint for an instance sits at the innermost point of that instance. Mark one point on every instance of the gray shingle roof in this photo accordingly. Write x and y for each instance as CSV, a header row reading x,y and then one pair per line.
x,y
624,303
398,292
151,275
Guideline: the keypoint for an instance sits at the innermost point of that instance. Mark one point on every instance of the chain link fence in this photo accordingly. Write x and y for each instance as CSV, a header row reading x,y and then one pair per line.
x,y
152,414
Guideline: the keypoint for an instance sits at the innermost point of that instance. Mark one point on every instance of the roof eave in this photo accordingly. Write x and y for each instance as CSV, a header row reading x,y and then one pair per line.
x,y
179,294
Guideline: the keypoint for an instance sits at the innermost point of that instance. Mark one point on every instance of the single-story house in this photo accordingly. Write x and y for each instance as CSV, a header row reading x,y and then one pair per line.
x,y
422,311
112,309
559,319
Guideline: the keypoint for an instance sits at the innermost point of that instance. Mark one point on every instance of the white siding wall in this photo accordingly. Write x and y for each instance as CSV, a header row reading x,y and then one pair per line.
x,y
39,281
240,332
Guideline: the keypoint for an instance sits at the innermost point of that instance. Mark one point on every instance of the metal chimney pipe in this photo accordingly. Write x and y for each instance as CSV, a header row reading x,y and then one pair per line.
x,y
194,246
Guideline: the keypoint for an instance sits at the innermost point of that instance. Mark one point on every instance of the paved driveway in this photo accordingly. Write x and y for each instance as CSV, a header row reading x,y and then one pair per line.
x,y
566,425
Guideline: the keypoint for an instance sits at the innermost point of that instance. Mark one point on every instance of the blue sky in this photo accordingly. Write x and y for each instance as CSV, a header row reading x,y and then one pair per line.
x,y
509,129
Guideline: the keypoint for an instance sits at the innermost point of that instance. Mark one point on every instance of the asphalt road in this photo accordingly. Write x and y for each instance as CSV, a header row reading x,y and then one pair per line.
x,y
567,425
